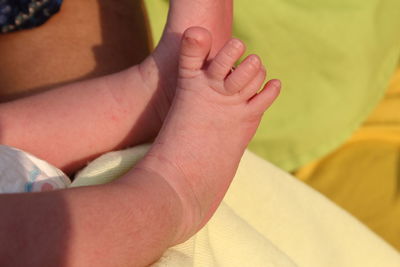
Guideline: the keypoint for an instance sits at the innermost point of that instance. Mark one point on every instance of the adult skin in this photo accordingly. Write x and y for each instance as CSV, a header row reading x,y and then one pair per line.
x,y
86,39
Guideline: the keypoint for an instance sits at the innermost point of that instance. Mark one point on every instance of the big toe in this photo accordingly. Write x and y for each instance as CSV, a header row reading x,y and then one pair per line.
x,y
195,47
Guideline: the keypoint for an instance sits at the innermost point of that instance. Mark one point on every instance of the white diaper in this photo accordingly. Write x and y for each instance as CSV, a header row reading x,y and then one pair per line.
x,y
22,172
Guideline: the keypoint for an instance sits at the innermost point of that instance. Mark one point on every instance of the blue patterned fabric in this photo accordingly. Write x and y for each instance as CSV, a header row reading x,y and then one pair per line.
x,y
24,14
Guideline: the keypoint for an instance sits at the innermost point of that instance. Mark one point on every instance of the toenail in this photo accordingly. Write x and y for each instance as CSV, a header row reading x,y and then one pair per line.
x,y
254,60
276,83
191,40
236,43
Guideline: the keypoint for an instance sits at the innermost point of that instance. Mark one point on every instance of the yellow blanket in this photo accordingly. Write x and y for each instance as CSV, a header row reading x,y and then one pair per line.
x,y
267,218
362,176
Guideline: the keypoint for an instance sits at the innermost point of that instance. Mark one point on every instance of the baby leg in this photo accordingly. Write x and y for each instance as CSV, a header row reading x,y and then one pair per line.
x,y
214,115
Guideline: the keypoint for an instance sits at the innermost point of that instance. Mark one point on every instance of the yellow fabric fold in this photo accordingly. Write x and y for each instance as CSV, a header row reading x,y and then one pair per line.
x,y
363,175
268,218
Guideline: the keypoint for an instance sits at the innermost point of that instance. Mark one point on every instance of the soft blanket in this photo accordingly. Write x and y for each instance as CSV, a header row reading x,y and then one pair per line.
x,y
268,218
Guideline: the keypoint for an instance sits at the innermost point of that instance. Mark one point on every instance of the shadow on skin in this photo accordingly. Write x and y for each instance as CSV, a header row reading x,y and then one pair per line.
x,y
31,244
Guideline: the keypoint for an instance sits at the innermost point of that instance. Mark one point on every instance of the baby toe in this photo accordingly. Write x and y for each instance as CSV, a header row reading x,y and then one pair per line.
x,y
254,85
195,47
263,100
243,74
223,62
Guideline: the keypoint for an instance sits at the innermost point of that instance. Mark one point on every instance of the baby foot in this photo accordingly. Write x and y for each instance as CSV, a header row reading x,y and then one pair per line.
x,y
159,70
215,113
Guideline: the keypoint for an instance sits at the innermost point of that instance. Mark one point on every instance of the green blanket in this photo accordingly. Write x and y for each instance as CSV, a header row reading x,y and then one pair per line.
x,y
334,57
